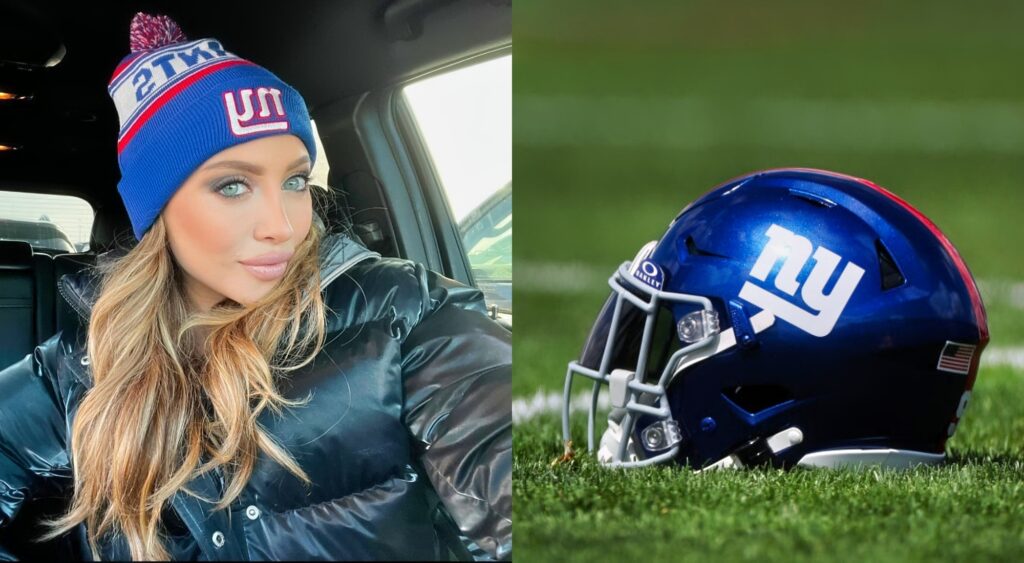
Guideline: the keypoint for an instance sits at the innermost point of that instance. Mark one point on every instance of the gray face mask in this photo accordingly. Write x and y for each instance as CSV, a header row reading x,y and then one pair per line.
x,y
638,305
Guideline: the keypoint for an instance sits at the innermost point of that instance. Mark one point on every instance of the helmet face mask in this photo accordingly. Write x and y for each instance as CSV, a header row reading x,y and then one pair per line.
x,y
635,307
876,330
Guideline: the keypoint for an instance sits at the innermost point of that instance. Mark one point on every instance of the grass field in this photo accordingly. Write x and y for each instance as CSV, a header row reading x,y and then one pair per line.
x,y
624,112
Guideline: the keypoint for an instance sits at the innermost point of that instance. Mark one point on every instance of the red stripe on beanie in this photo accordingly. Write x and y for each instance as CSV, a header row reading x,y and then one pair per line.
x,y
124,64
160,101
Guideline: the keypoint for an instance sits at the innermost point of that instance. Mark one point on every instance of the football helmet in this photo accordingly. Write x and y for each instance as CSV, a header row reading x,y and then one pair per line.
x,y
788,316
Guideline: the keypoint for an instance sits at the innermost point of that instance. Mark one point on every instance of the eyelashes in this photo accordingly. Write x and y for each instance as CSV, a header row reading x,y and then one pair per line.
x,y
242,180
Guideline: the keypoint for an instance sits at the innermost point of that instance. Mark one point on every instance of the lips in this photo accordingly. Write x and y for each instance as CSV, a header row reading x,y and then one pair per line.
x,y
268,259
267,267
267,273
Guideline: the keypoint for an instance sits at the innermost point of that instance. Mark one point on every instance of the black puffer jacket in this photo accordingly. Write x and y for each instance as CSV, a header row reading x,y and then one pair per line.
x,y
411,405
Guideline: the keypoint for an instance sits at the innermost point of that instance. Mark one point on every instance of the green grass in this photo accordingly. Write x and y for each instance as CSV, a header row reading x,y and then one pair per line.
x,y
969,509
625,112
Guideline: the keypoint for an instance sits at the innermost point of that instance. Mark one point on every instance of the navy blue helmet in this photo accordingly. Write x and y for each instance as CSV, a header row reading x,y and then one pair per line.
x,y
789,316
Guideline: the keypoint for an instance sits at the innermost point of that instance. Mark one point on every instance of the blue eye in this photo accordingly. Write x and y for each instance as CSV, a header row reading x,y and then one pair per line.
x,y
302,184
231,183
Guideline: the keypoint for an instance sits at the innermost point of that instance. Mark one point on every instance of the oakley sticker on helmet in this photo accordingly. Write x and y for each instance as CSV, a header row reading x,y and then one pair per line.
x,y
794,250
649,273
646,271
249,122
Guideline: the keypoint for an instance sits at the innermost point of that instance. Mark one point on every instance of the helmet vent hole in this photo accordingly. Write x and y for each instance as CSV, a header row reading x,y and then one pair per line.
x,y
890,273
693,250
813,199
756,398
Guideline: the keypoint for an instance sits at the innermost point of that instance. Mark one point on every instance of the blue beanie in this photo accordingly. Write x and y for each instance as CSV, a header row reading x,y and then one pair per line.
x,y
180,102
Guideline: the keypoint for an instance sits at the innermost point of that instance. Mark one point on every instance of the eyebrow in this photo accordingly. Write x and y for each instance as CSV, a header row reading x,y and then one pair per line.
x,y
249,167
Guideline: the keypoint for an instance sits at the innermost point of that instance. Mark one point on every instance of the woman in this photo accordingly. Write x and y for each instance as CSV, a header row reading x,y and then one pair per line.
x,y
242,385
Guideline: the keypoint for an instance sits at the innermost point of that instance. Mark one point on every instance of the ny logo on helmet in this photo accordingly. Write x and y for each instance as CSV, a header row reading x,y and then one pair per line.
x,y
795,250
249,122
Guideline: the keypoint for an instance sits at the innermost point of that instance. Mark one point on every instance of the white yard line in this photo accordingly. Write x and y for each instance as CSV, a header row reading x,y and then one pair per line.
x,y
582,277
1002,292
560,277
997,356
550,402
823,124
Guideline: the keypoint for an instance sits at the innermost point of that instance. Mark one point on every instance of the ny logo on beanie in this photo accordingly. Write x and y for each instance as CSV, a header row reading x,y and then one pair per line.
x,y
249,122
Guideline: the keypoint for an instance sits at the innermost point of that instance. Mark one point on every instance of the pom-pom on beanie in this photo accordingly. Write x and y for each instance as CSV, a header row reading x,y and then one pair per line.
x,y
180,102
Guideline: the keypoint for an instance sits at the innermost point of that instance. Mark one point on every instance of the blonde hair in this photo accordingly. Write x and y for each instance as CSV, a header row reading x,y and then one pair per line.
x,y
164,399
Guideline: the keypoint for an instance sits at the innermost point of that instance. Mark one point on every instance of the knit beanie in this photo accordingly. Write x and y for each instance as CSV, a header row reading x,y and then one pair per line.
x,y
180,102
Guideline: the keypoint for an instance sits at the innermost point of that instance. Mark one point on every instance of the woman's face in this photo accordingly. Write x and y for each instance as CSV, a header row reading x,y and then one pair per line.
x,y
242,203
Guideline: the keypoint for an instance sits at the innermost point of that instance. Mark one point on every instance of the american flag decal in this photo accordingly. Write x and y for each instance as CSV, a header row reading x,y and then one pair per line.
x,y
956,357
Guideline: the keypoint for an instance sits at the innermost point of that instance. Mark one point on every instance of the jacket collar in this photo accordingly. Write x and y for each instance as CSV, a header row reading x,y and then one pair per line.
x,y
338,253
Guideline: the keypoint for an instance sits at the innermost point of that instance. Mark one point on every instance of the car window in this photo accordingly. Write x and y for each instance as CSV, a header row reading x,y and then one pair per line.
x,y
321,168
487,236
50,223
465,119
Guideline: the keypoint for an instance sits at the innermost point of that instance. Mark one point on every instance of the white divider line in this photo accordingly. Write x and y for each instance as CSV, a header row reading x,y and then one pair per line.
x,y
1002,292
928,126
550,402
582,277
998,356
560,277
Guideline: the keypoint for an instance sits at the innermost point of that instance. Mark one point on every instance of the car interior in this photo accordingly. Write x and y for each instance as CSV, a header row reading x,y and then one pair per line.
x,y
349,59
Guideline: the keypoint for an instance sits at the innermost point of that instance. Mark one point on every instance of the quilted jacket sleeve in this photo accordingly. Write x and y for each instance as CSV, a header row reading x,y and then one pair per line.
x,y
457,369
32,432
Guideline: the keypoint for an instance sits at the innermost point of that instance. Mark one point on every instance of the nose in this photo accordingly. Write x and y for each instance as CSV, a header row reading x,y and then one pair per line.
x,y
273,223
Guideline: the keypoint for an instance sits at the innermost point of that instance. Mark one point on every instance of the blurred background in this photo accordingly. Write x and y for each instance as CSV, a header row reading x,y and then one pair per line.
x,y
626,111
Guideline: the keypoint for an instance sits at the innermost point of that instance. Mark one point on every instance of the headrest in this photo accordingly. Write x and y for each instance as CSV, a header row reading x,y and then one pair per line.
x,y
15,255
110,228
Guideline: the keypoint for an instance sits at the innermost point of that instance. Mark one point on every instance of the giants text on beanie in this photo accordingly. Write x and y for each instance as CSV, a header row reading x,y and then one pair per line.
x,y
180,102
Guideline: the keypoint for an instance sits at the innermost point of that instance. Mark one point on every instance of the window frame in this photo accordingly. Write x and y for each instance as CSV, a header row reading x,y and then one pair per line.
x,y
400,159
